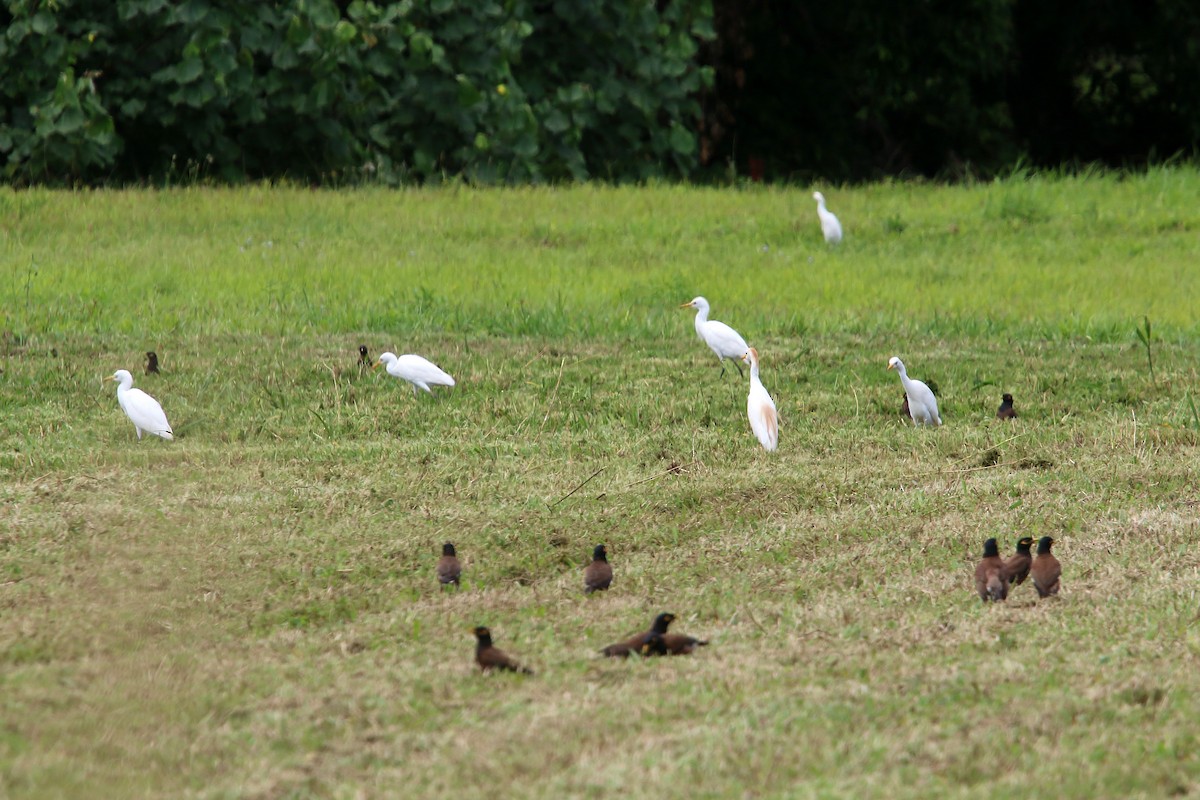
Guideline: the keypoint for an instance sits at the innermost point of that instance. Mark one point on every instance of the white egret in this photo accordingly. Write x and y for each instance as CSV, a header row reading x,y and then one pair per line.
x,y
420,372
720,338
829,223
922,405
764,419
143,410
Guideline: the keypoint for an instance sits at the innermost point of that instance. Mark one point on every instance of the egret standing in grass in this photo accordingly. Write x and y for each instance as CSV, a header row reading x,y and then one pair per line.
x,y
420,372
720,338
143,410
922,405
829,223
764,419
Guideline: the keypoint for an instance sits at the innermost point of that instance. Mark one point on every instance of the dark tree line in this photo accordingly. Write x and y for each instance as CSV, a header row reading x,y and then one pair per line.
x,y
862,89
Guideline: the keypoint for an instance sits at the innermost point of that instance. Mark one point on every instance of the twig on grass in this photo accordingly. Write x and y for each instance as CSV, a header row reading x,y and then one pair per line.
x,y
674,470
554,394
976,469
991,447
580,486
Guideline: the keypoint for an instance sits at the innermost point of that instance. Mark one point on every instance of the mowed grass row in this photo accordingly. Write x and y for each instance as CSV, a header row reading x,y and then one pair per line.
x,y
250,610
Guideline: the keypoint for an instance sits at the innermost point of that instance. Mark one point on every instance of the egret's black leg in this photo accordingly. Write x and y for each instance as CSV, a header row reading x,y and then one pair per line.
x,y
739,369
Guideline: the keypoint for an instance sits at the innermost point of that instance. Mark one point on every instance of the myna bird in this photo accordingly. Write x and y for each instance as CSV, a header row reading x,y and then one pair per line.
x,y
448,568
634,643
904,412
597,576
151,362
677,644
1017,565
364,358
655,645
990,579
1006,410
490,657
1045,570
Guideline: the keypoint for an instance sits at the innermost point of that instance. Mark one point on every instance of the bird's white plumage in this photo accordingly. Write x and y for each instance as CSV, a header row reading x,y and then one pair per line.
x,y
720,338
922,405
420,372
830,227
143,410
760,408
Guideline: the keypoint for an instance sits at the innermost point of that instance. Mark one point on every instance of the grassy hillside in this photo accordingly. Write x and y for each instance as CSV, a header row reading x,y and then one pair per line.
x,y
250,610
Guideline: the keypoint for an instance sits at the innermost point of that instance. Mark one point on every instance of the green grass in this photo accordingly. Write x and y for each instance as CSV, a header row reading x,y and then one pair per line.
x,y
250,610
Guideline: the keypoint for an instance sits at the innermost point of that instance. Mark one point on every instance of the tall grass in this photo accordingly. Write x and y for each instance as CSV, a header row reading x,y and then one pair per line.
x,y
1063,256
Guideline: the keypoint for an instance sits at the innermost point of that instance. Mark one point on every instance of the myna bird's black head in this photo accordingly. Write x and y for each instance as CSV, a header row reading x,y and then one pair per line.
x,y
448,549
1024,543
1007,398
600,553
362,353
1044,544
483,635
990,548
662,622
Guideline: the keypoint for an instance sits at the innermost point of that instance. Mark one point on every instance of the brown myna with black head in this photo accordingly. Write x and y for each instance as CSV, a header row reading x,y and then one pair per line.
x,y
490,657
677,644
151,362
991,581
653,646
597,576
1045,569
634,643
364,358
1017,565
448,567
1006,410
904,412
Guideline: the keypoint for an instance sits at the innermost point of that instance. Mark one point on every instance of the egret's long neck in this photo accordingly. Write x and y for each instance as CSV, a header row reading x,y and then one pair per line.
x,y
754,370
124,385
903,373
701,316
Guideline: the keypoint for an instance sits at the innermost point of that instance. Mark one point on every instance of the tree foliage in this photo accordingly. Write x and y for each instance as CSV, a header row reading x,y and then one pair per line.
x,y
98,91
514,91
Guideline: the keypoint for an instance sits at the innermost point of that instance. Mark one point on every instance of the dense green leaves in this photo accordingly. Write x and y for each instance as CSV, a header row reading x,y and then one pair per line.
x,y
150,90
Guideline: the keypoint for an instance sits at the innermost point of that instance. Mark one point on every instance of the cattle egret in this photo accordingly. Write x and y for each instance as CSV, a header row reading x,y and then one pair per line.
x,y
143,410
418,371
720,338
764,419
829,223
922,405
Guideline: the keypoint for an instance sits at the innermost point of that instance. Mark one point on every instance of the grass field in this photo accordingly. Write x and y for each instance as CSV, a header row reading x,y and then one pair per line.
x,y
250,610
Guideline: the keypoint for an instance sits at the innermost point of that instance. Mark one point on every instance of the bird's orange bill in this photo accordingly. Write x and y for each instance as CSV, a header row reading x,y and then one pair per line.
x,y
891,366
686,305
376,364
108,378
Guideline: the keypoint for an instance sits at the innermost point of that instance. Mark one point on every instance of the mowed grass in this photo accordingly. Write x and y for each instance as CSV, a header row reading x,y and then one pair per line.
x,y
250,610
